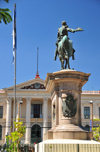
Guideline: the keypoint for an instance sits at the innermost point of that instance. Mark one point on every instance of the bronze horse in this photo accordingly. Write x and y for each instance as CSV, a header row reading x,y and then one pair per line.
x,y
65,51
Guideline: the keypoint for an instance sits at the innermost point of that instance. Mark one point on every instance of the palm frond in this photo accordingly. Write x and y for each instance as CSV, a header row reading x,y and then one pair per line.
x,y
6,1
5,15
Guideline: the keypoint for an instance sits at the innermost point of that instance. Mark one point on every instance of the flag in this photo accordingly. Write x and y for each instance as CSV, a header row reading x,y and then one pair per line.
x,y
14,34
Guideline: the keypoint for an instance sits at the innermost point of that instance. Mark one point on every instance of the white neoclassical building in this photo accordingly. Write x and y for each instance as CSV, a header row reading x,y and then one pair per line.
x,y
33,105
86,106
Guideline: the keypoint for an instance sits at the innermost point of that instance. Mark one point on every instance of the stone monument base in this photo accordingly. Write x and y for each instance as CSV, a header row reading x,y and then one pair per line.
x,y
65,87
68,131
62,145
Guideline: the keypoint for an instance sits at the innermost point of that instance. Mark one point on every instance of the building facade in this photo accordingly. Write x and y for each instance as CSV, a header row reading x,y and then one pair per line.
x,y
33,106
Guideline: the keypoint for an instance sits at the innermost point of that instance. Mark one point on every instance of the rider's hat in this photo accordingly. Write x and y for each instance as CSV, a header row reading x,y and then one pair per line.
x,y
64,23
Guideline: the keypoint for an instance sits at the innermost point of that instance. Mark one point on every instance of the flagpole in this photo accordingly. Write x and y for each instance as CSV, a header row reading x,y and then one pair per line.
x,y
14,114
14,60
37,58
15,86
37,73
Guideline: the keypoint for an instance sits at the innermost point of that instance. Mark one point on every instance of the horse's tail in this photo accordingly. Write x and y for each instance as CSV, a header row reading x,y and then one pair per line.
x,y
73,57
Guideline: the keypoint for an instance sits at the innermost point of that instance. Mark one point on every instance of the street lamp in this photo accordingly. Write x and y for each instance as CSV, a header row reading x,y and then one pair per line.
x,y
91,102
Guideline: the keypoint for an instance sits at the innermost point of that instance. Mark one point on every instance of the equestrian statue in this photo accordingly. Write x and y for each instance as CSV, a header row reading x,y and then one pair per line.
x,y
64,46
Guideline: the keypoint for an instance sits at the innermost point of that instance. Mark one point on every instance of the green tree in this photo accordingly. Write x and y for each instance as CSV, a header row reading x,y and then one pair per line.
x,y
13,140
96,133
96,130
5,14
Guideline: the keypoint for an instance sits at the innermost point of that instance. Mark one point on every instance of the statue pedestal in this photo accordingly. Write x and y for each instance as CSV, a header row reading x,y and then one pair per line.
x,y
65,88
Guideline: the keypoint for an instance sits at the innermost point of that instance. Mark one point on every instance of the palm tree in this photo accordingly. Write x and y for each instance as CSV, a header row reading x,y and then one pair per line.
x,y
6,1
5,15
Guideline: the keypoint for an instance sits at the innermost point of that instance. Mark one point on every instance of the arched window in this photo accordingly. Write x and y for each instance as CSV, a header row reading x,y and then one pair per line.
x,y
35,134
0,132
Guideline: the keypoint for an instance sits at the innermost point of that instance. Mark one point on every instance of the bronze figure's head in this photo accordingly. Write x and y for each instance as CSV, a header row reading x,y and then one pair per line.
x,y
64,23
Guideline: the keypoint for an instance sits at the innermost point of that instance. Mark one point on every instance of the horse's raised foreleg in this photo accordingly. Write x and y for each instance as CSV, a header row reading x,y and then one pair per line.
x,y
62,64
56,53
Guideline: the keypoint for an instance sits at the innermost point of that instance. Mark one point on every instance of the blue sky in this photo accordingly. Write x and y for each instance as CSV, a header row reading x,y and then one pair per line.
x,y
37,25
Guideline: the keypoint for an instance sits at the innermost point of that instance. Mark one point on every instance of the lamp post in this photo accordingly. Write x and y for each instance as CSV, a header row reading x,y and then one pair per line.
x,y
91,102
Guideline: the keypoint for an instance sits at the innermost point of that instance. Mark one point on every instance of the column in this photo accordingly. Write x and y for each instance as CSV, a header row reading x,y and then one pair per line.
x,y
17,108
28,116
18,111
45,115
8,117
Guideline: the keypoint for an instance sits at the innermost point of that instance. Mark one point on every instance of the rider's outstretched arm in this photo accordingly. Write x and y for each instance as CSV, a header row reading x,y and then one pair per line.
x,y
70,30
74,30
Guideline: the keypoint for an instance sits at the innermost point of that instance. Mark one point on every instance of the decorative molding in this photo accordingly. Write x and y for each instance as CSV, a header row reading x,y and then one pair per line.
x,y
91,92
29,82
36,123
34,86
19,99
45,99
9,100
36,95
28,100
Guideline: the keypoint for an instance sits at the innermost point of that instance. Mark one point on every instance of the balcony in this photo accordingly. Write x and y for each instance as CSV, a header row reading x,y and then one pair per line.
x,y
36,120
